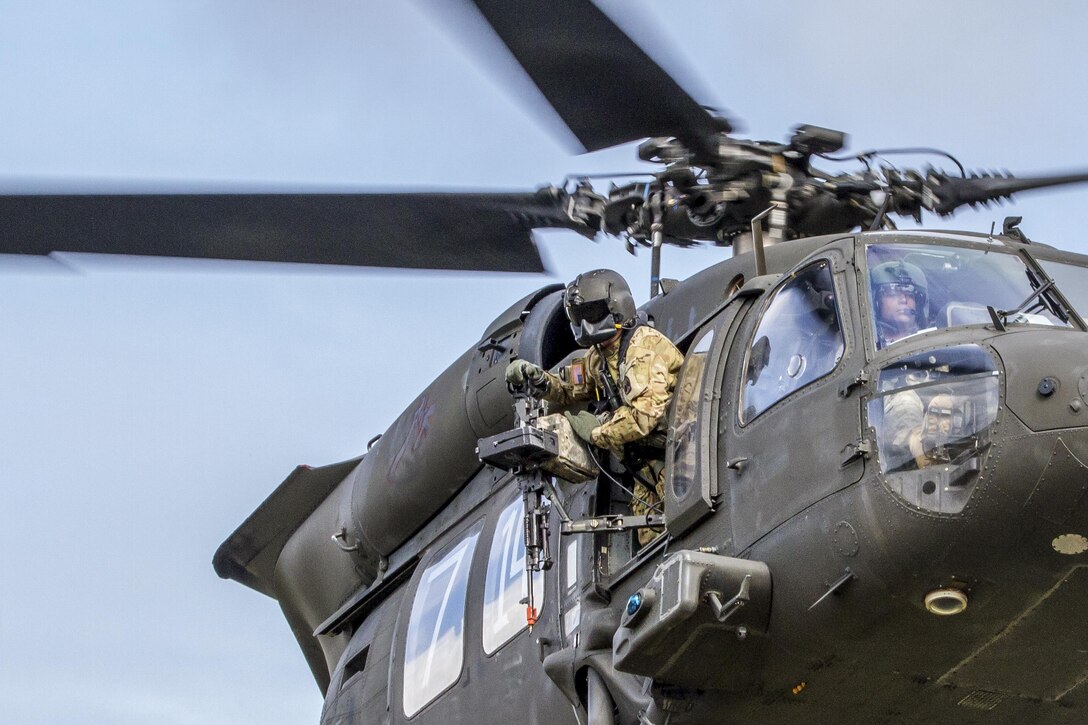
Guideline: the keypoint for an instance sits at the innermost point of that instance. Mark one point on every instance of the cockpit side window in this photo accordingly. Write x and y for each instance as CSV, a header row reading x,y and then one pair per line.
x,y
434,648
915,288
798,340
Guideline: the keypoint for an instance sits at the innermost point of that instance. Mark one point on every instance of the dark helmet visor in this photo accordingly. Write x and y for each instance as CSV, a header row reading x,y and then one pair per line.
x,y
591,312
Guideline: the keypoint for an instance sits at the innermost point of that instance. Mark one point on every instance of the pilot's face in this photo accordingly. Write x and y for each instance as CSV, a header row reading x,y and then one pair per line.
x,y
899,308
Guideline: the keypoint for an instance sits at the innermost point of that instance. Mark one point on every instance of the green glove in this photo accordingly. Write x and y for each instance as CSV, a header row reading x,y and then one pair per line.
x,y
583,424
520,372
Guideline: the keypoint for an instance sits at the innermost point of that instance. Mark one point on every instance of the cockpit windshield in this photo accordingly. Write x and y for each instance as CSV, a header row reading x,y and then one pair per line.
x,y
916,288
1072,279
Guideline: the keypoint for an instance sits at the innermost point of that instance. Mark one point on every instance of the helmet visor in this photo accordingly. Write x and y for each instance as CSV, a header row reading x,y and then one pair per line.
x,y
591,312
901,288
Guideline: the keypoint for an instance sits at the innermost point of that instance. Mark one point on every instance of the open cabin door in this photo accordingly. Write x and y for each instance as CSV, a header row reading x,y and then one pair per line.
x,y
691,483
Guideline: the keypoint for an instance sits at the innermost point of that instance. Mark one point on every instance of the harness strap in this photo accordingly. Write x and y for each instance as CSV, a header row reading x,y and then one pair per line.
x,y
612,390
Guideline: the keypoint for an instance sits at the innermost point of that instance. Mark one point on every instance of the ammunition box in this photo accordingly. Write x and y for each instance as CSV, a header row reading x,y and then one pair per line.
x,y
573,462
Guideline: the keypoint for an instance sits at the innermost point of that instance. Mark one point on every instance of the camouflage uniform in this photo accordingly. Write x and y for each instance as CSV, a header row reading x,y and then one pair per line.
x,y
903,415
645,378
921,432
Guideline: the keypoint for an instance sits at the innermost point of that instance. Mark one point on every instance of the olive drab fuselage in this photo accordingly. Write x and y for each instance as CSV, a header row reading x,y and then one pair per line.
x,y
856,529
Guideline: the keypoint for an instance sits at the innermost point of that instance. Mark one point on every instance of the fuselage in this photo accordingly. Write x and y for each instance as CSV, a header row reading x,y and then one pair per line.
x,y
919,506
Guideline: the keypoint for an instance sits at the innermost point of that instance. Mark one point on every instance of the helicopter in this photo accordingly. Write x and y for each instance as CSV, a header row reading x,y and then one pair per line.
x,y
663,321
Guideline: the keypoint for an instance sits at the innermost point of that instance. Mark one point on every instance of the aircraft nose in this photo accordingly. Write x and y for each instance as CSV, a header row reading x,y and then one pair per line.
x,y
1040,460
945,424
1046,374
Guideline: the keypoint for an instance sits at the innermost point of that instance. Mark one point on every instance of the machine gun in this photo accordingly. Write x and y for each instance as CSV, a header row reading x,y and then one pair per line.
x,y
538,447
522,451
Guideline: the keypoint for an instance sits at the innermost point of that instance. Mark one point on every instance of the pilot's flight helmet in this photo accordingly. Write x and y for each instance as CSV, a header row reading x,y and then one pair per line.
x,y
597,304
900,276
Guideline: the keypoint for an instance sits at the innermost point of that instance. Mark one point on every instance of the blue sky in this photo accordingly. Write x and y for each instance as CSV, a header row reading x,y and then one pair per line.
x,y
149,406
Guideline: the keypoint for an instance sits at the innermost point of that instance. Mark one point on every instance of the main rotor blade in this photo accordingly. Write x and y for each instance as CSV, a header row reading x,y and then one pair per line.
x,y
605,88
464,231
947,193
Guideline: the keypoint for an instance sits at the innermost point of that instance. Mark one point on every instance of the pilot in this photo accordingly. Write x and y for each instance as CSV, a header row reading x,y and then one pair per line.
x,y
627,356
900,305
939,428
900,301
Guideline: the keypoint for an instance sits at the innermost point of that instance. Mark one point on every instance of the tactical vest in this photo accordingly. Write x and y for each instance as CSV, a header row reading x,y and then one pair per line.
x,y
652,447
613,398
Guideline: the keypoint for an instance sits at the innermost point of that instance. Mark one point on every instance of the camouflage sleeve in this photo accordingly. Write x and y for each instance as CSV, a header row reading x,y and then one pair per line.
x,y
647,379
572,384
626,424
902,418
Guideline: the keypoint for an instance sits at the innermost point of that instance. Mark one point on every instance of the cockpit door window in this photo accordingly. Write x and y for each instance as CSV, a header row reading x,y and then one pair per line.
x,y
799,340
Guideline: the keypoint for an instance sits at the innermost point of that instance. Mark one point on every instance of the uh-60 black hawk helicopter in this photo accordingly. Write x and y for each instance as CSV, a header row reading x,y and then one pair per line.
x,y
915,552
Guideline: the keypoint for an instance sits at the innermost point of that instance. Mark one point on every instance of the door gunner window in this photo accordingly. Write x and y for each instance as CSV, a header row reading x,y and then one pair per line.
x,y
798,340
505,590
434,651
685,430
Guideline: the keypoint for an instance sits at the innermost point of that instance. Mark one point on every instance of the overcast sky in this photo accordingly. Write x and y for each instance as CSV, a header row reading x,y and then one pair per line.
x,y
149,406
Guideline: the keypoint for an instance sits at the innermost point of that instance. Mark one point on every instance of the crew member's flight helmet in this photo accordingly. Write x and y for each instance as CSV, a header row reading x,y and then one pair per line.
x,y
899,277
598,303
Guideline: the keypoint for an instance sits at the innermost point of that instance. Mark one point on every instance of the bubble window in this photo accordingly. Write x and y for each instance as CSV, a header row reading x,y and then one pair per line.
x,y
933,416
